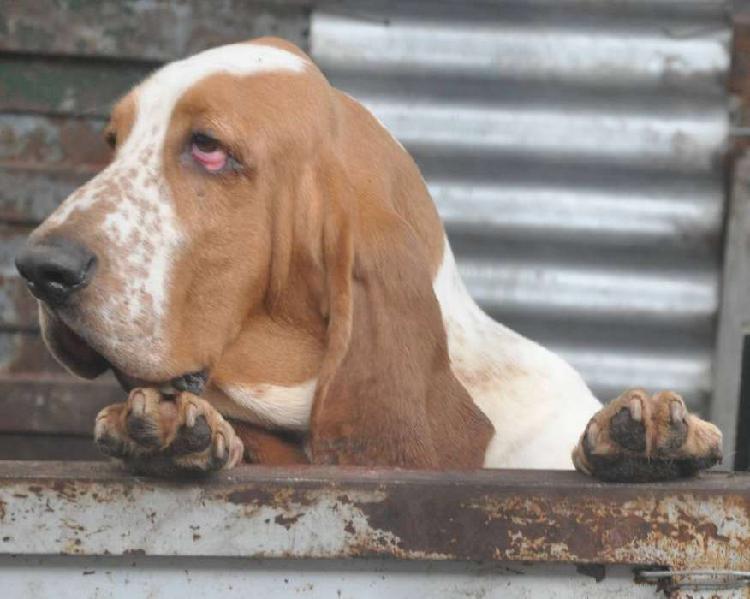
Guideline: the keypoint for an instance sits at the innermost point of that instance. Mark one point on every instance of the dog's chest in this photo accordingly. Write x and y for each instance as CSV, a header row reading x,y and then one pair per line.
x,y
274,406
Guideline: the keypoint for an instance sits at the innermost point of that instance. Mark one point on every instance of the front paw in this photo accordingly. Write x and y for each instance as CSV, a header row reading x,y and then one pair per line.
x,y
640,438
162,435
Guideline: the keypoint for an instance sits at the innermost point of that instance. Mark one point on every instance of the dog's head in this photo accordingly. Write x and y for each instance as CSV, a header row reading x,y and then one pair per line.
x,y
152,265
241,184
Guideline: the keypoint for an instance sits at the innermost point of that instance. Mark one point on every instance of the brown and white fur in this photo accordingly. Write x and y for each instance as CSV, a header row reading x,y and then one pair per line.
x,y
311,278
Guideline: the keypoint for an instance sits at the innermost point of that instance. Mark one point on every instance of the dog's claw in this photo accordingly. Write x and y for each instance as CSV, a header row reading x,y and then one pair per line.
x,y
190,415
138,403
677,411
220,447
592,434
636,409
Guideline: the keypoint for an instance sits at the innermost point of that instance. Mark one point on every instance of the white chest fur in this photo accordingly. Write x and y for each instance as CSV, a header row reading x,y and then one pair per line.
x,y
274,406
538,403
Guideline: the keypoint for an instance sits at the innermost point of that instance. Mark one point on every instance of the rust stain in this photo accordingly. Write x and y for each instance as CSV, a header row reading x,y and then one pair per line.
x,y
287,501
604,524
249,496
72,547
66,489
287,521
679,531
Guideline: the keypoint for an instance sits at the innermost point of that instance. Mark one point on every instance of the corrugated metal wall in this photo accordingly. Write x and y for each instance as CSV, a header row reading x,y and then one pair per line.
x,y
574,149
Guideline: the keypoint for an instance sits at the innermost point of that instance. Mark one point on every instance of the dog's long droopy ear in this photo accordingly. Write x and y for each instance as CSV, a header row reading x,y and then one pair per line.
x,y
386,394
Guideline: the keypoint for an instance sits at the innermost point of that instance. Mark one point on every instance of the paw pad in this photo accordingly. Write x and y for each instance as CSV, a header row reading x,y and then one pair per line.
x,y
193,437
627,431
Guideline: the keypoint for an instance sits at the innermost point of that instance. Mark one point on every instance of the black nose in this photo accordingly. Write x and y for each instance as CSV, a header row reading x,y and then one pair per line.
x,y
55,268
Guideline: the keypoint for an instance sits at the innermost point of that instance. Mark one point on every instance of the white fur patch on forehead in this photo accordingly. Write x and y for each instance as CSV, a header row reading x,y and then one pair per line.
x,y
157,96
236,59
174,79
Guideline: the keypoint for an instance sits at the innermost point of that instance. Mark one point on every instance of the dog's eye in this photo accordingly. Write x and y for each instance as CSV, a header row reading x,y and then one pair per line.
x,y
208,152
111,138
205,143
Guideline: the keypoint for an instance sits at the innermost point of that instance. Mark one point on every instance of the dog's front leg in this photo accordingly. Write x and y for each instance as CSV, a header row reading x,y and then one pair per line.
x,y
167,435
270,447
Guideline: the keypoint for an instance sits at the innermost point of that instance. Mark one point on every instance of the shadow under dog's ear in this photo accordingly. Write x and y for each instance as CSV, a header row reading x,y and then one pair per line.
x,y
386,394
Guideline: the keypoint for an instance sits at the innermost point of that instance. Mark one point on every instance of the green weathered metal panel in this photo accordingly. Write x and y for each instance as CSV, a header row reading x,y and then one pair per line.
x,y
54,142
28,195
65,87
144,29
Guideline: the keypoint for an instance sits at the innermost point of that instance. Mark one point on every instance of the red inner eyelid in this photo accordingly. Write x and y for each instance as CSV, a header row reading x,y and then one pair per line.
x,y
212,160
209,155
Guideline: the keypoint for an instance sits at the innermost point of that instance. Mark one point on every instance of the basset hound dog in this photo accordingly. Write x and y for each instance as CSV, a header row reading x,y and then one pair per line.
x,y
263,269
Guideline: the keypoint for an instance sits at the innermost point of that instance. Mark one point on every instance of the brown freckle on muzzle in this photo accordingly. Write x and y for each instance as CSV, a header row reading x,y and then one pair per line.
x,y
142,320
115,287
139,272
135,237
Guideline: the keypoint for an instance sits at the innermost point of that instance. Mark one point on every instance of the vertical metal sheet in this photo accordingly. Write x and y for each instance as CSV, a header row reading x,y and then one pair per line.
x,y
574,149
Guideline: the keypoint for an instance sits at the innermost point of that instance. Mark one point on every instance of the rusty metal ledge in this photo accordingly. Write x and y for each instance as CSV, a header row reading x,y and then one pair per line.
x,y
535,516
